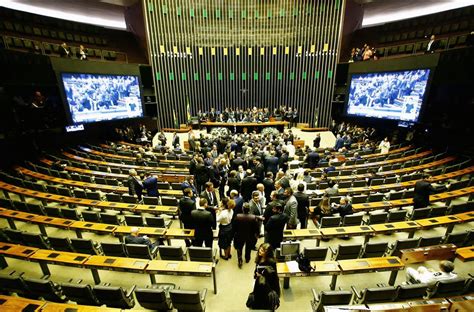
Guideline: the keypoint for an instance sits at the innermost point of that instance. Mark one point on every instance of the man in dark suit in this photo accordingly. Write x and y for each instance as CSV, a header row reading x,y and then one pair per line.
x,y
344,207
239,201
274,227
339,142
283,160
423,189
258,169
246,228
248,185
212,204
186,205
269,185
175,140
312,159
133,238
150,184
433,44
233,182
238,161
201,175
203,224
317,141
271,163
303,206
189,183
135,186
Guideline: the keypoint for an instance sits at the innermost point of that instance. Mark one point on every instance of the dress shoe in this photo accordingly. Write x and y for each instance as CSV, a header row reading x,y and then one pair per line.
x,y
240,263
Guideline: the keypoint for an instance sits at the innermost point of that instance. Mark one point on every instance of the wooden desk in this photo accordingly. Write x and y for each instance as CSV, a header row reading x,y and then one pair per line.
x,y
402,226
322,268
123,230
241,125
335,232
422,254
45,197
446,196
111,149
133,265
10,303
302,234
429,305
461,303
65,307
185,268
45,257
465,254
449,221
466,216
111,164
380,264
14,251
85,226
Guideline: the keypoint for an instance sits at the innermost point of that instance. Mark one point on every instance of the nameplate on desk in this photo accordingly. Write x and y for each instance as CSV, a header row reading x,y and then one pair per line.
x,y
14,213
49,195
53,255
362,263
61,198
389,226
88,225
313,231
172,266
109,261
112,204
393,261
94,202
151,207
131,206
386,203
340,230
452,218
158,230
48,219
411,223
28,251
433,220
30,216
110,227
140,263
365,228
67,222
34,193
403,200
288,232
366,205
5,247
79,258
204,267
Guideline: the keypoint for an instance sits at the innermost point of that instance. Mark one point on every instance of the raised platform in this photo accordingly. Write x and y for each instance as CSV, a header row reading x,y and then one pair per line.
x,y
250,126
181,130
314,129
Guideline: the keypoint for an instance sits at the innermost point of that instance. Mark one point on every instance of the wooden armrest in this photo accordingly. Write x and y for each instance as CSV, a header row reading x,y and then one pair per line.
x,y
356,293
203,294
130,291
315,294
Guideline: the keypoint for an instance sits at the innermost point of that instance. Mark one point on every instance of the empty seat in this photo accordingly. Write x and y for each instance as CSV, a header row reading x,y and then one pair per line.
x,y
91,216
430,241
329,298
115,297
129,199
396,195
36,208
438,211
377,217
113,249
412,291
456,238
451,287
141,251
60,243
315,253
132,220
93,195
14,236
80,194
20,206
202,254
396,216
69,213
86,246
171,253
352,220
150,200
343,252
394,249
420,213
156,222
188,300
153,299
112,197
13,284
81,294
169,201
329,222
40,288
374,295
372,250
374,182
359,199
110,218
163,185
34,240
375,198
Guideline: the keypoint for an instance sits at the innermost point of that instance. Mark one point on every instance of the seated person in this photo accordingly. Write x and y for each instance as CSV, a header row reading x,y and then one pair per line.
x,y
344,207
133,238
429,276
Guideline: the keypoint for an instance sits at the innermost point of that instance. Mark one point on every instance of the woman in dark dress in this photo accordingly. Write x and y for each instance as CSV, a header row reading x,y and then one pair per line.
x,y
224,218
266,290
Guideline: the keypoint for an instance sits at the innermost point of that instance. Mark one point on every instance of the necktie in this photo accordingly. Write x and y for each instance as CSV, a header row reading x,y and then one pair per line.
x,y
210,198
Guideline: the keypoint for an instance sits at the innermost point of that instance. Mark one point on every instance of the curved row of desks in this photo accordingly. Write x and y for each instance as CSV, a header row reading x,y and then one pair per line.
x,y
11,303
178,193
95,263
45,197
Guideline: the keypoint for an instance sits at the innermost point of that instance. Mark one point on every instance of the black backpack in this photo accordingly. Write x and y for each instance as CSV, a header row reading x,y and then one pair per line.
x,y
304,265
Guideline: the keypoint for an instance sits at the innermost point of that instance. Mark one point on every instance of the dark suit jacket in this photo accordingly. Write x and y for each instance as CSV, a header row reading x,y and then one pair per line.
x,y
259,173
303,204
283,161
317,142
175,141
234,184
312,160
202,222
201,174
248,185
134,187
274,229
271,163
434,46
186,205
211,205
151,186
130,239
246,227
344,210
423,189
236,162
269,187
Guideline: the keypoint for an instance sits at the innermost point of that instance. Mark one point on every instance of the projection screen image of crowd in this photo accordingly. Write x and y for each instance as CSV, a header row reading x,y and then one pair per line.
x,y
390,95
94,97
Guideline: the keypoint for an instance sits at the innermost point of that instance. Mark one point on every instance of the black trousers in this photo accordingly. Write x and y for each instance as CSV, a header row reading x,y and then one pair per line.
x,y
198,242
248,244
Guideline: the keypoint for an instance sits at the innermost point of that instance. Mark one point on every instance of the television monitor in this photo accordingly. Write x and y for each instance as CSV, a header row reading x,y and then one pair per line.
x,y
101,97
396,95
288,249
